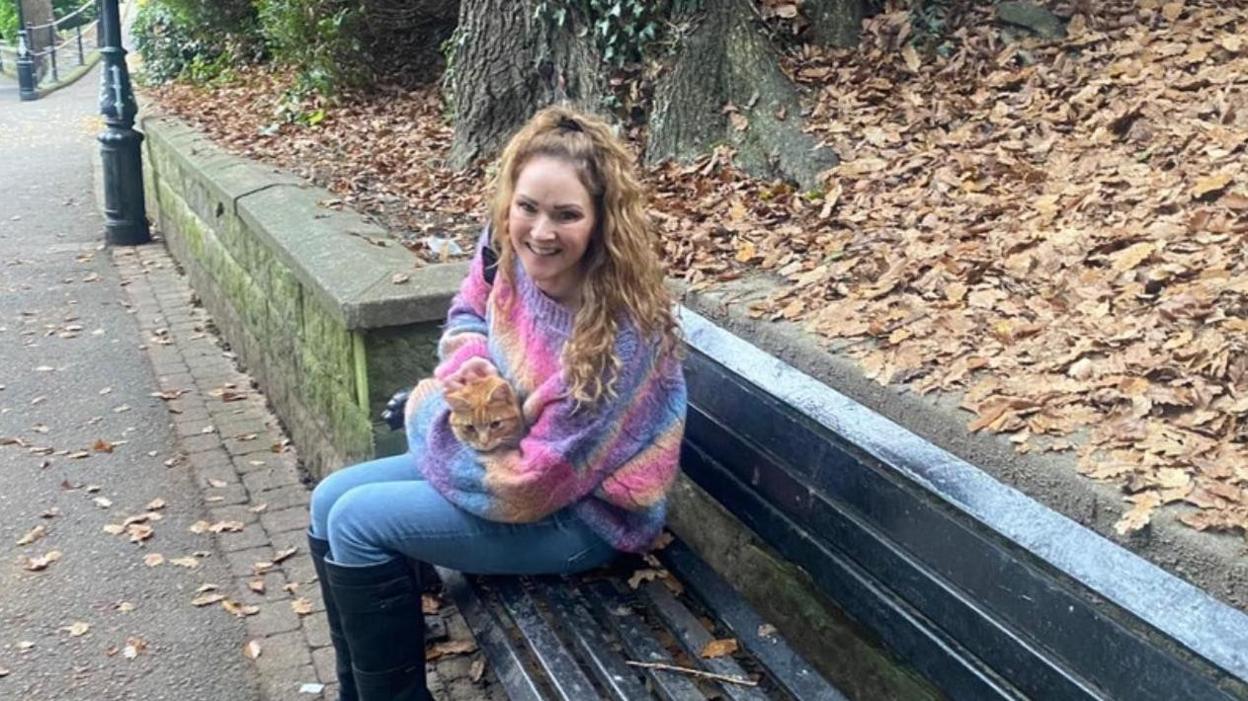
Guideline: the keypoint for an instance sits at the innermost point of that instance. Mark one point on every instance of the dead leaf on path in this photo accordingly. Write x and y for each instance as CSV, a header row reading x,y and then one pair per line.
x,y
189,563
102,446
228,394
142,518
4,672
153,559
766,630
103,502
155,504
258,508
114,528
450,647
124,607
252,649
38,564
216,483
285,553
169,395
134,647
477,670
718,648
256,585
302,606
400,279
34,534
207,599
239,610
77,629
226,527
139,532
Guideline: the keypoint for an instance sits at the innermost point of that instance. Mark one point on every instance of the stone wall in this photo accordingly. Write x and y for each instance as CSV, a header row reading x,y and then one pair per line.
x,y
307,303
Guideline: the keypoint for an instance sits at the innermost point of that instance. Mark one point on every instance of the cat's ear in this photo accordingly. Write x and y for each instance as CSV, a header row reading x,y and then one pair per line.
x,y
500,394
457,402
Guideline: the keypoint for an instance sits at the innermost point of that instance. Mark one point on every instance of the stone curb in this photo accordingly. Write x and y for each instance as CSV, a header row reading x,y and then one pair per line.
x,y
262,487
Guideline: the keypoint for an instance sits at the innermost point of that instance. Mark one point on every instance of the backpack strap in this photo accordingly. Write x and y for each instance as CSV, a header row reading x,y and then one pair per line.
x,y
489,260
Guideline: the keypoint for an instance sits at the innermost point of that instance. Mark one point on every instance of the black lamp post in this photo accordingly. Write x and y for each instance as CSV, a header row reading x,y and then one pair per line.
x,y
125,214
25,64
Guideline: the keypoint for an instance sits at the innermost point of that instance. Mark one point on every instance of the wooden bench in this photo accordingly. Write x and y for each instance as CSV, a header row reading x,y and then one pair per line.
x,y
979,590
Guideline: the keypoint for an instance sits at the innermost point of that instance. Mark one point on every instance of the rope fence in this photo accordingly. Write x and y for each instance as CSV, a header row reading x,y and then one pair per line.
x,y
65,42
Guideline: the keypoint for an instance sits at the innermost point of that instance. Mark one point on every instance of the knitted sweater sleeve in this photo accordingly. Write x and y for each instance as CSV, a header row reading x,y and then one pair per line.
x,y
624,451
466,332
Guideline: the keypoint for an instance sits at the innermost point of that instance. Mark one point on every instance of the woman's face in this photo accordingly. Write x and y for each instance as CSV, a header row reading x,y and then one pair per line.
x,y
550,223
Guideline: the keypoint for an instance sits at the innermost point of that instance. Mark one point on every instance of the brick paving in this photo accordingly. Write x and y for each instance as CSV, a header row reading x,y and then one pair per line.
x,y
248,472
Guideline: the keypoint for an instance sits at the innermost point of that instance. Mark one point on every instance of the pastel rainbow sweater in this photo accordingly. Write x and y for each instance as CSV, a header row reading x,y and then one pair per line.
x,y
611,463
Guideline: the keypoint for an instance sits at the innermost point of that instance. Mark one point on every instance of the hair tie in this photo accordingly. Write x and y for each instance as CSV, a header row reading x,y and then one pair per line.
x,y
569,124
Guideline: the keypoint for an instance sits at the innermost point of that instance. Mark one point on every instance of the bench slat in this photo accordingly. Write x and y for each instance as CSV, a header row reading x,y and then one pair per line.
x,y
928,650
620,681
694,637
504,656
639,642
790,669
566,677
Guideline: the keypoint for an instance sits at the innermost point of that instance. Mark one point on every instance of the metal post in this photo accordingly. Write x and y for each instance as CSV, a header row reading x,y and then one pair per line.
x,y
56,78
25,66
125,214
82,59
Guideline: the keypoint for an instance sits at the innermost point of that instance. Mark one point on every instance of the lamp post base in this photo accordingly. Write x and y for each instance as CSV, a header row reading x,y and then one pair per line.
x,y
125,212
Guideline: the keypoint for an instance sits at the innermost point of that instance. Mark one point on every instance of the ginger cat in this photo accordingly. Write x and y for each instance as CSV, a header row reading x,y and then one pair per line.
x,y
486,414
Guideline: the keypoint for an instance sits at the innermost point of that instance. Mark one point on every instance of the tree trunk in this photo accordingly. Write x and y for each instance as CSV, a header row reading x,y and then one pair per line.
x,y
37,12
724,61
506,64
405,37
834,22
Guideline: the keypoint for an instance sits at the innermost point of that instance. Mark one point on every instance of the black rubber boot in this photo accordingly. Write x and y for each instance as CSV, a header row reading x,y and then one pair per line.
x,y
346,680
379,607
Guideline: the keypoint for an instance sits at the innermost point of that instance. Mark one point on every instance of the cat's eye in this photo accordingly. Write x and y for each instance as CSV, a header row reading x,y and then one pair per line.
x,y
470,429
496,425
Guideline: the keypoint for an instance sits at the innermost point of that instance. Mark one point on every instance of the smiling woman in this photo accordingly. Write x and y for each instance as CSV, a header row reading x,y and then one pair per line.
x,y
578,325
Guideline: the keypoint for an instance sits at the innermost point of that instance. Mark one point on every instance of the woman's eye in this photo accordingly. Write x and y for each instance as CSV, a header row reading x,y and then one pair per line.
x,y
570,216
528,207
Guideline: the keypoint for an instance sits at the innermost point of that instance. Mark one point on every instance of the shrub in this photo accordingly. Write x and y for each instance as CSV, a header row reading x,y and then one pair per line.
x,y
319,37
8,23
195,39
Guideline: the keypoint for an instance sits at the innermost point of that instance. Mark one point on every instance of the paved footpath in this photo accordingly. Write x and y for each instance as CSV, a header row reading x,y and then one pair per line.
x,y
121,409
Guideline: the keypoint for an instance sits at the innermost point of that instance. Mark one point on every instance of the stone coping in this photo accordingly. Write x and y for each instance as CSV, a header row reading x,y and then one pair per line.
x,y
327,249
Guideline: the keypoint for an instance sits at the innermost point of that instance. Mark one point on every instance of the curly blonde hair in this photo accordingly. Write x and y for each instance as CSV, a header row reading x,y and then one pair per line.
x,y
622,270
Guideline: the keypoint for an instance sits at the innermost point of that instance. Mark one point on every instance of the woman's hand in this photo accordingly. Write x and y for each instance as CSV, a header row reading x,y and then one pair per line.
x,y
472,369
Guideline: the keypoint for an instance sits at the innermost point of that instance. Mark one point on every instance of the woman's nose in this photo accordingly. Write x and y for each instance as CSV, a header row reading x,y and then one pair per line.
x,y
543,229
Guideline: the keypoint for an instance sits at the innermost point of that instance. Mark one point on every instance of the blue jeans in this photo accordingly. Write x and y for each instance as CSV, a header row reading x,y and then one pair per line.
x,y
376,510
